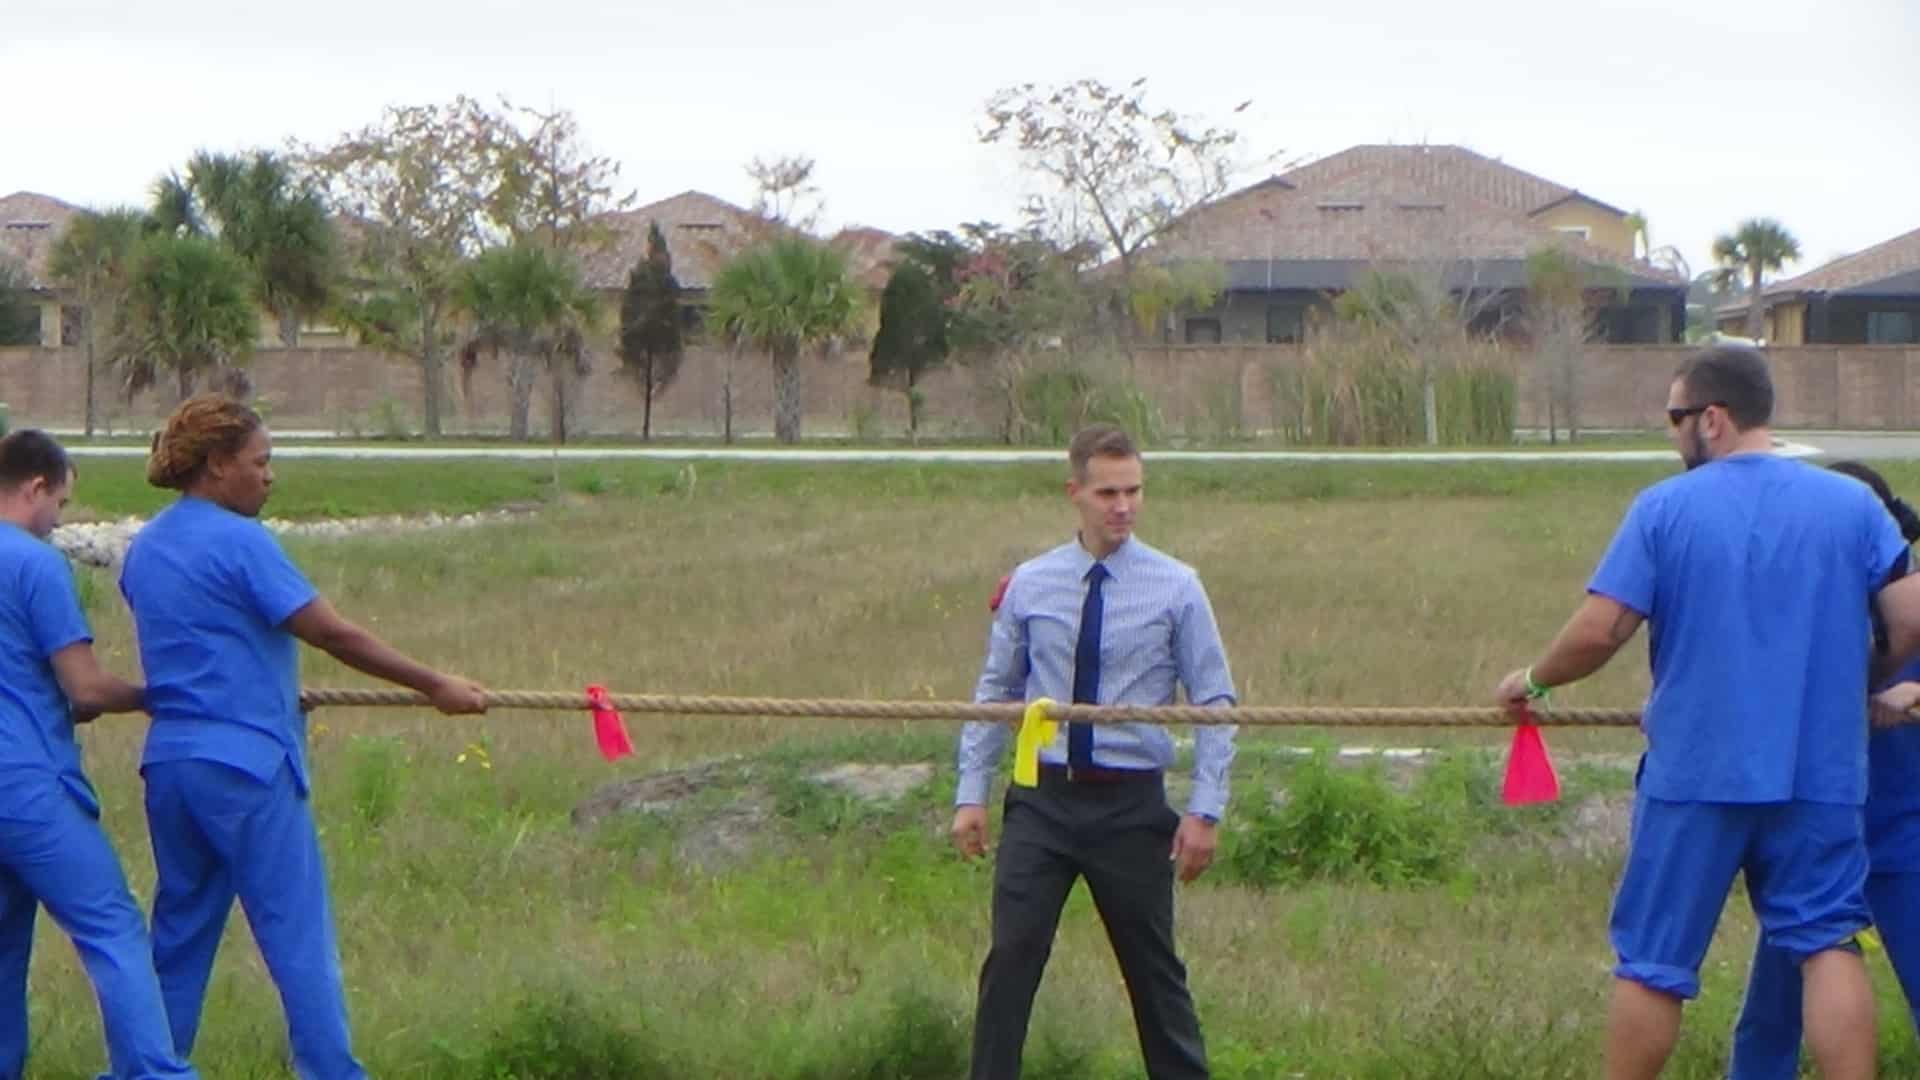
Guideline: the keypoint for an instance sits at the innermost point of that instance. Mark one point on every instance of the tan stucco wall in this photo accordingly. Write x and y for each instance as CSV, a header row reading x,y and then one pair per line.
x,y
1782,324
50,324
313,335
1604,230
1787,324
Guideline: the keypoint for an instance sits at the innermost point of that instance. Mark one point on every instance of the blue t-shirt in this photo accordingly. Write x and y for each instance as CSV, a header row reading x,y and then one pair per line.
x,y
211,592
1893,792
1755,574
39,615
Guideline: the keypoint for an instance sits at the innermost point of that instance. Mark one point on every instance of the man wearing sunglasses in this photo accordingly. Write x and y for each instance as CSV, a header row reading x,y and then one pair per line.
x,y
1755,573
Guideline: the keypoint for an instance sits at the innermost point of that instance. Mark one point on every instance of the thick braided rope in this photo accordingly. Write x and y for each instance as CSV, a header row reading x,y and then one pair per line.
x,y
828,708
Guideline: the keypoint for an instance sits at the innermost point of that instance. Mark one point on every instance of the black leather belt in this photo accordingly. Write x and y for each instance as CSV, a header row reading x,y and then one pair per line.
x,y
1099,774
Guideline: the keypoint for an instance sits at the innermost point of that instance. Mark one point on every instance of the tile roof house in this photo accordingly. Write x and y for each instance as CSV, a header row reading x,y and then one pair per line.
x,y
1871,297
1292,241
29,224
703,232
869,252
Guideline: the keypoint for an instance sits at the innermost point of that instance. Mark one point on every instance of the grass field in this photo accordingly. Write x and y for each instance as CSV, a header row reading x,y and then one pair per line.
x,y
1396,924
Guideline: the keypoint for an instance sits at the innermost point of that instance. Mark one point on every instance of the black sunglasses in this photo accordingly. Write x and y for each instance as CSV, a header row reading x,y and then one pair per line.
x,y
1675,416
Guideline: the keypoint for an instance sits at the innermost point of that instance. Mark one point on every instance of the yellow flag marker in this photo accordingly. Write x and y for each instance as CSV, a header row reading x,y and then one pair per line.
x,y
1037,729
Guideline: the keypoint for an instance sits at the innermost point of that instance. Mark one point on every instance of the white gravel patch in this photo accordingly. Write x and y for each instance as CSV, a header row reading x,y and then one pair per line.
x,y
104,543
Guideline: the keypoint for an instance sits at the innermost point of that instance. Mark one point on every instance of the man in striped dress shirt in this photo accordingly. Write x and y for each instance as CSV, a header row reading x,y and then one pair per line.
x,y
1102,619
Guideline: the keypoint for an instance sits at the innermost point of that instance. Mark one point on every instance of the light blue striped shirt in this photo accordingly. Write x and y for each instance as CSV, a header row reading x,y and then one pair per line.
x,y
1157,630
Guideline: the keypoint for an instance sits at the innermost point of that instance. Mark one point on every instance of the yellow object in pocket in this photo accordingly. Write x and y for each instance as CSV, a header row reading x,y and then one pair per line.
x,y
1037,729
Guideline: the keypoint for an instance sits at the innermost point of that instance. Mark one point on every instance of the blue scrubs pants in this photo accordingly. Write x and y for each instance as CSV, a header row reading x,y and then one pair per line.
x,y
1766,1041
53,852
219,832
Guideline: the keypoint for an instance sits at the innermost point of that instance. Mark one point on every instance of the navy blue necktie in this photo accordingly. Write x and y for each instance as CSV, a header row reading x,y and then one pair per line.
x,y
1086,669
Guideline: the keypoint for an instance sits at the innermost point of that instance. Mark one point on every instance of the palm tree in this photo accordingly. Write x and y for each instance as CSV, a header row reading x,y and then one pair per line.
x,y
188,309
1665,256
527,301
1757,247
1636,223
786,295
254,206
93,257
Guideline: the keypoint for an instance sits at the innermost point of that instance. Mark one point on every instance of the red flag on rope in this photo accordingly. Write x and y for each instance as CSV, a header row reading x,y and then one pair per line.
x,y
999,592
1530,774
608,729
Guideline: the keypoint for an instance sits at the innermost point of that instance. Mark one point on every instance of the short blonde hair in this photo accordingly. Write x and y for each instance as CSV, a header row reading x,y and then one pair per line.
x,y
1098,440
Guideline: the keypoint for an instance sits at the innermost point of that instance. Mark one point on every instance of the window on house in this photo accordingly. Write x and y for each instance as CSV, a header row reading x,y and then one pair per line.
x,y
1203,331
1580,231
1628,325
1494,319
1286,324
1892,328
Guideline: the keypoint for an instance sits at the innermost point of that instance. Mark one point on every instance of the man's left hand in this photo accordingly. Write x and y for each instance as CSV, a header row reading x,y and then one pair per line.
x,y
1894,705
1193,846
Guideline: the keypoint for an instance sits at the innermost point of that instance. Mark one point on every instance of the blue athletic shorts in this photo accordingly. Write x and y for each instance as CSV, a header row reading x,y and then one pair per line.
x,y
1806,871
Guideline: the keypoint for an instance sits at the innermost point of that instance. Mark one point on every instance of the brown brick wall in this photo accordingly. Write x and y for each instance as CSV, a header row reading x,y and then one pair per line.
x,y
1199,390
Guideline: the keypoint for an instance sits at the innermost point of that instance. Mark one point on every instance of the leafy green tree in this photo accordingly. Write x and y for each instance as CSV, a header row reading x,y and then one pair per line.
x,y
188,312
528,303
1757,247
651,347
912,339
785,296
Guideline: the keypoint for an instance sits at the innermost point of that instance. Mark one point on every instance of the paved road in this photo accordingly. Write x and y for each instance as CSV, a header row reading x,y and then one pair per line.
x,y
1882,445
976,457
1830,445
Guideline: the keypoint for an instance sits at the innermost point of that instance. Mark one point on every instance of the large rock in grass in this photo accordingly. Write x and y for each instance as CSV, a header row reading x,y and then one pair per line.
x,y
875,783
661,793
721,811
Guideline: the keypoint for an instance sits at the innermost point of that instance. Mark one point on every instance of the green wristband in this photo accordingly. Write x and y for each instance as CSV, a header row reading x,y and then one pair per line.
x,y
1535,691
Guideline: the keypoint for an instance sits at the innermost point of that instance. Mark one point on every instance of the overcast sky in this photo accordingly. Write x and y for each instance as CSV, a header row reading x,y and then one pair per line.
x,y
1698,112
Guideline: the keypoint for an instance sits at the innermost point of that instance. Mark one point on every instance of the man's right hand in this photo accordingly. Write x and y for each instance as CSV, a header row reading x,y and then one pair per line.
x,y
970,831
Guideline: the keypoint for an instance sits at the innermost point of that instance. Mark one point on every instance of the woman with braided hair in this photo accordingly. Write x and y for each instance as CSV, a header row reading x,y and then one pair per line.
x,y
1766,1041
217,607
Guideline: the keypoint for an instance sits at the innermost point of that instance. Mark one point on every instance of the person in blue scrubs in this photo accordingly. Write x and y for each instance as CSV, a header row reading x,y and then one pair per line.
x,y
1766,1041
52,849
219,610
1755,575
